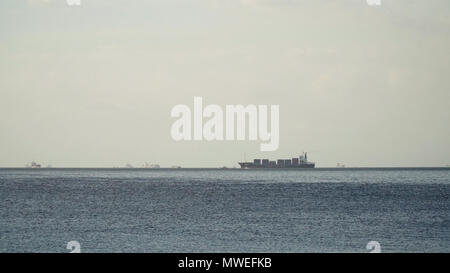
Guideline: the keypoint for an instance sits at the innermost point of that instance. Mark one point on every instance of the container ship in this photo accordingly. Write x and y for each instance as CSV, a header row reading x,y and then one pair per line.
x,y
296,162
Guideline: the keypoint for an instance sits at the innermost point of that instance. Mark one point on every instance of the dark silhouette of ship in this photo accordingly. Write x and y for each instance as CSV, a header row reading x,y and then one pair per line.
x,y
33,165
297,162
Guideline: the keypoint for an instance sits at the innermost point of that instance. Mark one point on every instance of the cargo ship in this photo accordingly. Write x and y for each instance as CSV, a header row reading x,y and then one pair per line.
x,y
296,162
33,165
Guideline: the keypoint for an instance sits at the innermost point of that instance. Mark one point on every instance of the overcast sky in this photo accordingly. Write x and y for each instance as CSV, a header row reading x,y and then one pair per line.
x,y
93,86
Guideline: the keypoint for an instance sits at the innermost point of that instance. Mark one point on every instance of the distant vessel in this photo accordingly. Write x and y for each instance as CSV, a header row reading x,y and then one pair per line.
x,y
151,166
34,165
297,162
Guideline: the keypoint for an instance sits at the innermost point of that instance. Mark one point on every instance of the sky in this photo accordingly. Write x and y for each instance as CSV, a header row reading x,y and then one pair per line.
x,y
93,85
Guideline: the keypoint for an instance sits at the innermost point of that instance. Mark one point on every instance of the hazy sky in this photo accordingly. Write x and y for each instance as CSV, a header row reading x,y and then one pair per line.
x,y
94,85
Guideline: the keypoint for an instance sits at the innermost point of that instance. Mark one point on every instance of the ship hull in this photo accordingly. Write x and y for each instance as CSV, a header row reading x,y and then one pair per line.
x,y
250,165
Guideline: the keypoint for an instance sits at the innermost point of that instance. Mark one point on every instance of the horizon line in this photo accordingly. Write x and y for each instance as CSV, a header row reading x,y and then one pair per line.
x,y
228,168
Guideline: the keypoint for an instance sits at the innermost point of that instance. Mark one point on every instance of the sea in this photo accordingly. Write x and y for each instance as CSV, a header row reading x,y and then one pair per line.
x,y
225,210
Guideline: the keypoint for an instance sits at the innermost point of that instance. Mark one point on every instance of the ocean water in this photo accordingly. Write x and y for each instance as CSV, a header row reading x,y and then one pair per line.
x,y
212,210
